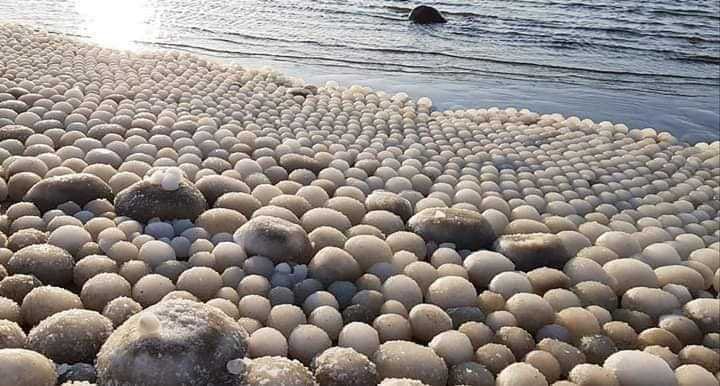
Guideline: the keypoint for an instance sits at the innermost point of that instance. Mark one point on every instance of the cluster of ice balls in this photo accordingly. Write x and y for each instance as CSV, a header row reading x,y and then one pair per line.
x,y
339,172
168,178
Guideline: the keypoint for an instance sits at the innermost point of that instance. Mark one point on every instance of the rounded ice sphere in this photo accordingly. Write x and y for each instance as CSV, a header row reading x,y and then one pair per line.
x,y
50,264
466,229
328,319
339,366
255,306
368,250
619,242
220,220
640,368
686,276
510,283
267,341
151,288
702,356
520,374
274,370
453,346
427,321
285,317
333,264
11,335
652,301
403,289
660,254
451,292
43,302
401,359
70,238
156,252
190,345
202,282
530,310
691,374
387,201
360,337
24,238
71,336
171,179
483,266
102,288
278,239
121,309
534,250
15,287
590,374
628,273
705,313
306,341
22,367
9,310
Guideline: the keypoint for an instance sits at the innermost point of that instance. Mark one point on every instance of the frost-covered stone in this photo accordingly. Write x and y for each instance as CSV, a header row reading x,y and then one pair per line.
x,y
70,336
50,264
339,366
190,344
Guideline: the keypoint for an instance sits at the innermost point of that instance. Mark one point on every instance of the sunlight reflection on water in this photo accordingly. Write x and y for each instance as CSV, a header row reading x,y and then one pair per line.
x,y
118,24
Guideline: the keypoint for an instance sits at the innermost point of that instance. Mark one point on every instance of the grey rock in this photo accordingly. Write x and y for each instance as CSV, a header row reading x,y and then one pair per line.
x,y
144,200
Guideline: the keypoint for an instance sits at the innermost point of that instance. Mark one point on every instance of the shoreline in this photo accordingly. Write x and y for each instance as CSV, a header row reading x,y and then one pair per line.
x,y
168,219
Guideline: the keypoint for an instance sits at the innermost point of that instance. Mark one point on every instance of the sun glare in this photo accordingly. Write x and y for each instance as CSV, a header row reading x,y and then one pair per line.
x,y
118,24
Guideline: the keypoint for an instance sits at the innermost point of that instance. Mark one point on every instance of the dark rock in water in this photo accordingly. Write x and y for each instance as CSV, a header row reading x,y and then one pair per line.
x,y
175,342
50,264
275,238
213,186
144,200
391,202
464,228
424,14
79,188
72,336
533,250
19,132
79,372
277,371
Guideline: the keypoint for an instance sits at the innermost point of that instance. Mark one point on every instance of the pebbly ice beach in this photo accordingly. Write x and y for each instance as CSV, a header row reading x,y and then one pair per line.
x,y
172,220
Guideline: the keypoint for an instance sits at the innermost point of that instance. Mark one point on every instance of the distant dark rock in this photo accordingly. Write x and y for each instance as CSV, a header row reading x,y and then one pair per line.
x,y
423,14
